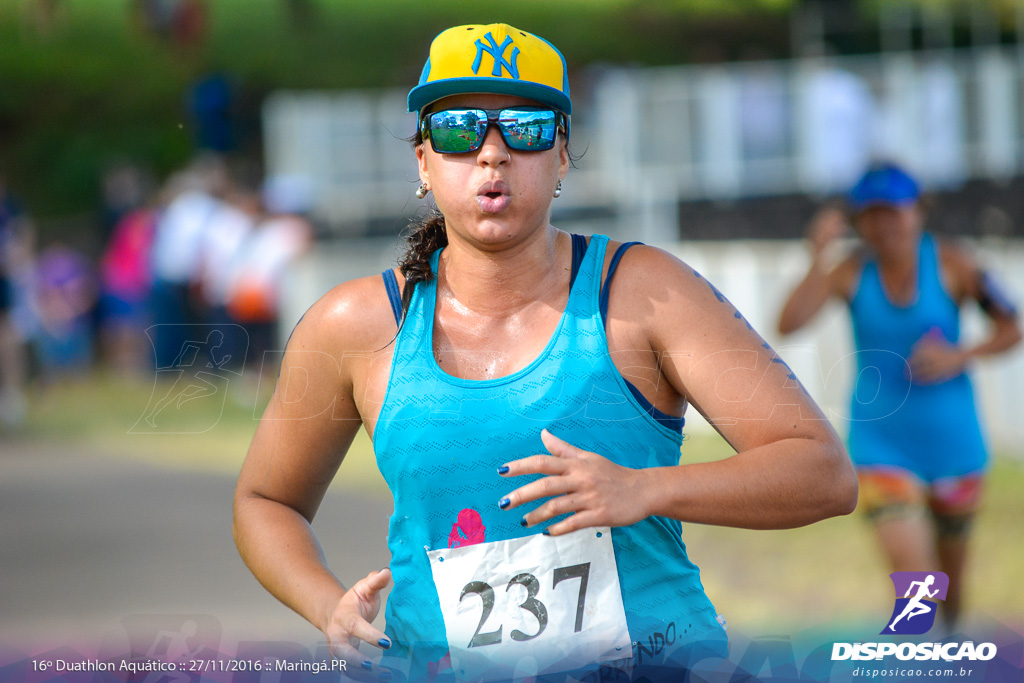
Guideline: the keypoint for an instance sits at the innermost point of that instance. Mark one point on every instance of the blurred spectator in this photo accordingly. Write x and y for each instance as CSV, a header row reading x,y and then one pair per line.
x,y
125,287
839,114
188,23
196,198
221,243
210,104
15,245
125,188
922,119
765,116
156,16
258,272
64,296
944,125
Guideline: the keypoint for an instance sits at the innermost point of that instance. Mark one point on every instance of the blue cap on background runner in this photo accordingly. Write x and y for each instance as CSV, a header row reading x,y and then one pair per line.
x,y
884,185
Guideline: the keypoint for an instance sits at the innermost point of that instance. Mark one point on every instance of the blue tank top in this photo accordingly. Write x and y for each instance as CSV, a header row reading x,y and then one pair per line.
x,y
930,429
440,439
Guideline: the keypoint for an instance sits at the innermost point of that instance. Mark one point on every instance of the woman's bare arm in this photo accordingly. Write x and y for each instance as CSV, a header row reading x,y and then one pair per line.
x,y
299,444
821,282
790,468
935,359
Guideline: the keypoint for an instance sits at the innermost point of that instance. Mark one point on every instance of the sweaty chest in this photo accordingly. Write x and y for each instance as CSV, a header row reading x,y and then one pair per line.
x,y
476,348
479,352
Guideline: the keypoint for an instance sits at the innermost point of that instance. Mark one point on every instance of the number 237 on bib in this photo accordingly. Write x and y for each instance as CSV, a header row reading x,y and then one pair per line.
x,y
532,605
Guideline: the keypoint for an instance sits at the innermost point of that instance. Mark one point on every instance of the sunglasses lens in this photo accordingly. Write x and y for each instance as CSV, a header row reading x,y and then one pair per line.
x,y
527,129
454,131
457,130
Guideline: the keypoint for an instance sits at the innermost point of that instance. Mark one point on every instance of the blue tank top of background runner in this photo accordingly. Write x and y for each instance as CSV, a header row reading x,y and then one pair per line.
x,y
440,439
931,430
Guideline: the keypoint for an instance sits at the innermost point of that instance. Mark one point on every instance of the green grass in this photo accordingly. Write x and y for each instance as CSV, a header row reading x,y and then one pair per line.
x,y
762,581
104,413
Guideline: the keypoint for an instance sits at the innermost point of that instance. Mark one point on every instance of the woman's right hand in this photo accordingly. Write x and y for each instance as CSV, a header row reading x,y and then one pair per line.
x,y
826,275
827,226
350,622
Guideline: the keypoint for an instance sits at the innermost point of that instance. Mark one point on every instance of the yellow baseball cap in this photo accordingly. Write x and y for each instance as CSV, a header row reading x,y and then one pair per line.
x,y
493,58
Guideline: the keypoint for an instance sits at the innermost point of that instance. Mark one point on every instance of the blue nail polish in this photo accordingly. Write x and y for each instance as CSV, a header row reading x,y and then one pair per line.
x,y
523,522
384,643
504,503
503,469
546,532
367,665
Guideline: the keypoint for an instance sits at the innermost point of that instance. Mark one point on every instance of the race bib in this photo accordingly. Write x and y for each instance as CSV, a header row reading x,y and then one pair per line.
x,y
531,605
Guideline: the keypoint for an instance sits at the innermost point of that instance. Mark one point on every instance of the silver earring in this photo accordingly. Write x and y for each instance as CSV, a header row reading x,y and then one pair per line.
x,y
558,189
422,191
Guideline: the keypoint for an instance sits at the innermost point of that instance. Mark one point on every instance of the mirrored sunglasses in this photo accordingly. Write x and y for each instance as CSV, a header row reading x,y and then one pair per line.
x,y
524,129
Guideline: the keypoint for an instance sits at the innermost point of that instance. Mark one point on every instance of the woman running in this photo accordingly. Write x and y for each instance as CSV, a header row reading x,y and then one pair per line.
x,y
914,432
524,389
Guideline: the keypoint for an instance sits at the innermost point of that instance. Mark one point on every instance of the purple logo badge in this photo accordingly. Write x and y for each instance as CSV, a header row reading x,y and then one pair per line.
x,y
914,612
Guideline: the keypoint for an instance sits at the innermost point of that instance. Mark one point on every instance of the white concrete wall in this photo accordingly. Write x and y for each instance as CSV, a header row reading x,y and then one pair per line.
x,y
756,276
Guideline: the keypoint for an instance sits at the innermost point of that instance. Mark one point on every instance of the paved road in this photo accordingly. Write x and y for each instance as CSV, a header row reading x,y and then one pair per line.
x,y
89,542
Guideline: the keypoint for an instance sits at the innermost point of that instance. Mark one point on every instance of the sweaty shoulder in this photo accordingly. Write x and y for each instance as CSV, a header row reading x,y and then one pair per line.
x,y
353,317
653,290
647,271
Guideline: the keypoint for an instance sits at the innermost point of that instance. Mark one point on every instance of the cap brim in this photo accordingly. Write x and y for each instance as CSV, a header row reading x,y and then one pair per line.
x,y
882,201
425,94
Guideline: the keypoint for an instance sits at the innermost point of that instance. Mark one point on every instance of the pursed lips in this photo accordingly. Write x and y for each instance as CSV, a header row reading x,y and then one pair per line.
x,y
494,196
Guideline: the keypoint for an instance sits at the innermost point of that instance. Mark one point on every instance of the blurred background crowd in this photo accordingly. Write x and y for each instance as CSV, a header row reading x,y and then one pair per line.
x,y
209,246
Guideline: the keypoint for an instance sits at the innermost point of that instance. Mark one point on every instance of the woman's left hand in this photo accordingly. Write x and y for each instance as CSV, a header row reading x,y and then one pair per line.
x,y
596,490
934,360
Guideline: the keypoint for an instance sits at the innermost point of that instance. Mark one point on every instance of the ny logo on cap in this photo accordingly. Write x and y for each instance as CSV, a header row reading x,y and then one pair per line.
x,y
497,53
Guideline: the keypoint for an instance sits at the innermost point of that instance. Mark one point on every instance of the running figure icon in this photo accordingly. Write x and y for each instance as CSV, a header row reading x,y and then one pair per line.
x,y
195,365
916,606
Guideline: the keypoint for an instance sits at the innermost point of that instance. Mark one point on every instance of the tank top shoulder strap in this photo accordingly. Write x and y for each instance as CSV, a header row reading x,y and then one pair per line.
x,y
673,422
607,286
579,250
586,282
394,295
414,327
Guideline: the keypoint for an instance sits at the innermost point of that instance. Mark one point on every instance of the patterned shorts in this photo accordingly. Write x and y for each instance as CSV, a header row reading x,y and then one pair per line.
x,y
892,491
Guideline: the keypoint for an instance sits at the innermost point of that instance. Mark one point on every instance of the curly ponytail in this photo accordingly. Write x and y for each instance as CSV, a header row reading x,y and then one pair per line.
x,y
421,243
